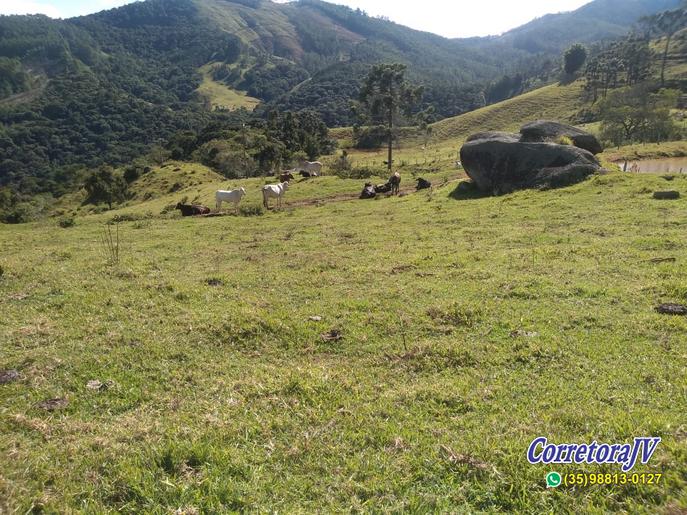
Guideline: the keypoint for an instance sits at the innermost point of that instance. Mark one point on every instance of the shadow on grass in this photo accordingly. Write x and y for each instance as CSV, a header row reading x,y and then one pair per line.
x,y
467,190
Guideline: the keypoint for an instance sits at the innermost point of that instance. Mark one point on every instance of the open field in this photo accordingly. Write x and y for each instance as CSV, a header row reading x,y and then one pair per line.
x,y
223,97
469,326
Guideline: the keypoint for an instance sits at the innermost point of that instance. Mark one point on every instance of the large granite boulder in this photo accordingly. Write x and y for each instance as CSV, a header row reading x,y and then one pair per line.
x,y
499,162
544,131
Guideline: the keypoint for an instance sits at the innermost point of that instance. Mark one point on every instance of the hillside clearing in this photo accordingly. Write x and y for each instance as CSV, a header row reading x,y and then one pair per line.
x,y
469,328
223,97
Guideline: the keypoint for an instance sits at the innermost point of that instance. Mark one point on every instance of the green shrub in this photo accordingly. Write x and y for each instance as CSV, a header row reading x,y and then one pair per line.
x,y
370,138
21,213
132,174
67,222
565,140
251,211
130,217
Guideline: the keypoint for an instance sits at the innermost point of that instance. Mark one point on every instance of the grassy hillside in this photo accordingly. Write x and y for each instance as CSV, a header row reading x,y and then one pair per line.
x,y
221,96
552,102
468,328
156,193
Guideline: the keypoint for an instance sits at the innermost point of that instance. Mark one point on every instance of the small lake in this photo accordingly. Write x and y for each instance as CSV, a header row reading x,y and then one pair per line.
x,y
663,165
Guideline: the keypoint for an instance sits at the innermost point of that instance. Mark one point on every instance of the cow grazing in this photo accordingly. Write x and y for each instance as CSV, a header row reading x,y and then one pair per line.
x,y
395,181
192,210
423,184
286,176
233,197
313,168
274,191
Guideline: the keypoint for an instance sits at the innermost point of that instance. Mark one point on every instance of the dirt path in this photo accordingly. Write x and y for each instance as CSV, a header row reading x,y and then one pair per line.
x,y
341,197
345,197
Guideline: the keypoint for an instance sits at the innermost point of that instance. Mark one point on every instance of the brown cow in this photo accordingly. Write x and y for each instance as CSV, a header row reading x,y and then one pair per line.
x,y
286,176
192,210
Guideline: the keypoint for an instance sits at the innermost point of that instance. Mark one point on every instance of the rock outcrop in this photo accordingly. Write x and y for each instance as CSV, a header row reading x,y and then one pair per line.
x,y
499,162
544,131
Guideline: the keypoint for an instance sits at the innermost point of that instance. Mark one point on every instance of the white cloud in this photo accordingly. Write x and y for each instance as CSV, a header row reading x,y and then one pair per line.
x,y
24,7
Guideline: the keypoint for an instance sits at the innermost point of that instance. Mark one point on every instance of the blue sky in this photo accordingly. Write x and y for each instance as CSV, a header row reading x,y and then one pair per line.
x,y
449,18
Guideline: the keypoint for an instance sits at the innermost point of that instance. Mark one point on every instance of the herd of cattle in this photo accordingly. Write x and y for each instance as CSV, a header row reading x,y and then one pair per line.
x,y
277,191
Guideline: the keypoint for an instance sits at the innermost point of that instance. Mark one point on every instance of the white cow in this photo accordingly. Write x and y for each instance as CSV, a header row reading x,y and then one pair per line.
x,y
274,191
233,196
313,168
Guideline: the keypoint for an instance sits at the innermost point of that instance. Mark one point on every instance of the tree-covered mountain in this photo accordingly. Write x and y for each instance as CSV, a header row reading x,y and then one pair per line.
x,y
593,22
105,88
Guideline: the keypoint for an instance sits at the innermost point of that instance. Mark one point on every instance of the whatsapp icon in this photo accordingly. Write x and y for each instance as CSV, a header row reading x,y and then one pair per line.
x,y
553,480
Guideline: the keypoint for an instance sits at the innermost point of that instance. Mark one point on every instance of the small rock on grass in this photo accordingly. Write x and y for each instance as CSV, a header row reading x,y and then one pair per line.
x,y
53,404
8,376
94,384
316,318
667,195
332,336
523,334
672,309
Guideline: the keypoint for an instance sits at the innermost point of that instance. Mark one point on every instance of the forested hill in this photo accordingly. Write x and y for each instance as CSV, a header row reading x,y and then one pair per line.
x,y
107,87
593,22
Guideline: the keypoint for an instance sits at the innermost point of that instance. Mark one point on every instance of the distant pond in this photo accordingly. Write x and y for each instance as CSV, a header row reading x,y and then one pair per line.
x,y
663,165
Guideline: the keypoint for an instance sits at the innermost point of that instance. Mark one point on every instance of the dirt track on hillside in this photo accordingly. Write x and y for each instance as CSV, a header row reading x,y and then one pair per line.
x,y
342,197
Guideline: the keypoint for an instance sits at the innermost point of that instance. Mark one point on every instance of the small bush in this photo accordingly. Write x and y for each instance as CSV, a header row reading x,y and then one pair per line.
x,y
131,174
22,213
456,315
360,172
565,140
370,138
342,165
130,217
66,223
251,211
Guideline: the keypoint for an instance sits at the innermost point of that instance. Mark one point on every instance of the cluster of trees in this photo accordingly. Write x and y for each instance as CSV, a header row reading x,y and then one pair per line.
x,y
639,114
574,58
632,106
13,78
269,81
237,144
629,61
622,63
665,25
506,87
